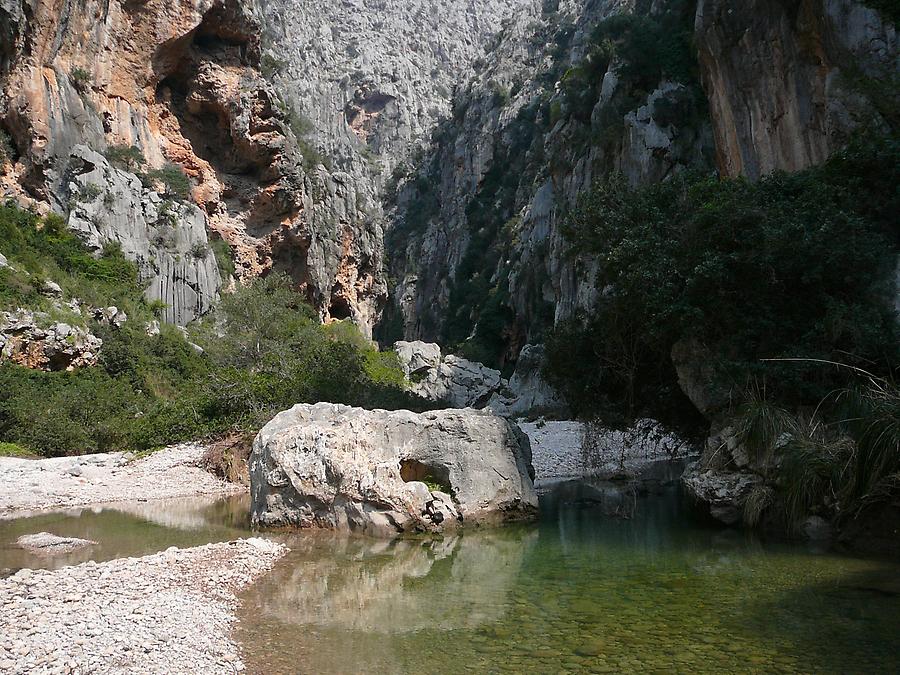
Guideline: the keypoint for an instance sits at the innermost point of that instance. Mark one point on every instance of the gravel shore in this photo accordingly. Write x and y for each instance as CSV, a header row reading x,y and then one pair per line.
x,y
27,485
164,613
559,452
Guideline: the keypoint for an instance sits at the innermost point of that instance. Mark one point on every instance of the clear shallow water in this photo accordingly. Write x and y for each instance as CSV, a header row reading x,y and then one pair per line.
x,y
607,582
581,592
127,529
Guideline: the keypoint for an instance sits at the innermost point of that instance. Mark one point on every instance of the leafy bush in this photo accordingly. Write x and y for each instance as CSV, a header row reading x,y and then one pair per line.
x,y
838,460
793,266
13,450
645,48
263,351
173,179
126,157
44,249
7,149
81,78
224,257
199,251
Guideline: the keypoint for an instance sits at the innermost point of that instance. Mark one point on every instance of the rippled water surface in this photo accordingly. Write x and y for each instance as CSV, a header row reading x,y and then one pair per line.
x,y
581,592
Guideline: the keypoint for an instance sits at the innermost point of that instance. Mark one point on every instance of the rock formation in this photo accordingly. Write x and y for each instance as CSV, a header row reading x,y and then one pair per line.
x,y
788,83
34,340
46,544
457,382
475,238
385,472
527,393
166,238
179,84
309,130
462,383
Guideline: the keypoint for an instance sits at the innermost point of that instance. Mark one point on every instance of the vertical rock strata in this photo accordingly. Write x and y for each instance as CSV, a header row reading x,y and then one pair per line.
x,y
778,86
323,137
789,82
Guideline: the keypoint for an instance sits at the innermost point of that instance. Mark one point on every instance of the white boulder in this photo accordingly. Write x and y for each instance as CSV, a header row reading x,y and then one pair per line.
x,y
383,472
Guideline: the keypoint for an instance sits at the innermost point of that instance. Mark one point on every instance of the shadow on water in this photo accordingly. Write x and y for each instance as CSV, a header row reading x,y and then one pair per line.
x,y
612,580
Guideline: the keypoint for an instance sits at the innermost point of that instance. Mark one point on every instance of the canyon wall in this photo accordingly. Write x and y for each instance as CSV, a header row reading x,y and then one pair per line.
x,y
476,239
409,163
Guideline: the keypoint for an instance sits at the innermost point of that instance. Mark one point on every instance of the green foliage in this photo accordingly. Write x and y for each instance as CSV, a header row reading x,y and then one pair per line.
x,y
270,65
263,351
838,460
793,266
199,251
13,450
81,78
301,127
126,157
44,249
646,49
65,413
7,149
651,48
312,157
174,181
89,192
224,259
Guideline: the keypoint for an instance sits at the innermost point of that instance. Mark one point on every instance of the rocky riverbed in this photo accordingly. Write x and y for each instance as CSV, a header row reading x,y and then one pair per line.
x,y
92,479
165,613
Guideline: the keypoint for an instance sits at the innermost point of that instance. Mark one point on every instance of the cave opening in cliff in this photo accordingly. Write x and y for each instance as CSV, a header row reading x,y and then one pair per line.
x,y
339,309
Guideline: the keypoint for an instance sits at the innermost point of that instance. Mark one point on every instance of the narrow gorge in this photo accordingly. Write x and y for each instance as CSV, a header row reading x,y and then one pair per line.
x,y
305,300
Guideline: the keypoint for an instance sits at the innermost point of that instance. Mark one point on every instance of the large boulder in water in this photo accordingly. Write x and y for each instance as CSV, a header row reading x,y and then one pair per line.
x,y
384,472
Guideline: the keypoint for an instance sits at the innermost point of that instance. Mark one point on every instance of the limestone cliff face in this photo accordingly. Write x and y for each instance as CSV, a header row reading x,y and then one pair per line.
x,y
365,83
322,138
506,169
289,177
180,82
788,82
476,240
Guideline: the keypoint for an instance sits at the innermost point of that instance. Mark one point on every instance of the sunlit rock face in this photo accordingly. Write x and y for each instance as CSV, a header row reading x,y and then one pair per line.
x,y
385,473
787,83
365,83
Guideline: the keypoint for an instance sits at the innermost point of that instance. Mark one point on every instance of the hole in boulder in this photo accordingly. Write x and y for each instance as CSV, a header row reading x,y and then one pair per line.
x,y
436,477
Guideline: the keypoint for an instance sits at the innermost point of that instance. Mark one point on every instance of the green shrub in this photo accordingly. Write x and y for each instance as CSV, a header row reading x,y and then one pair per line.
x,y
173,179
149,391
796,265
126,157
838,460
65,413
45,249
224,257
199,251
7,149
13,450
81,78
89,192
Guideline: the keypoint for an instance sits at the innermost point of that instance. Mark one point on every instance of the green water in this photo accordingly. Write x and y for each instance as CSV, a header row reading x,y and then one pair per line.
x,y
125,530
607,582
582,592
